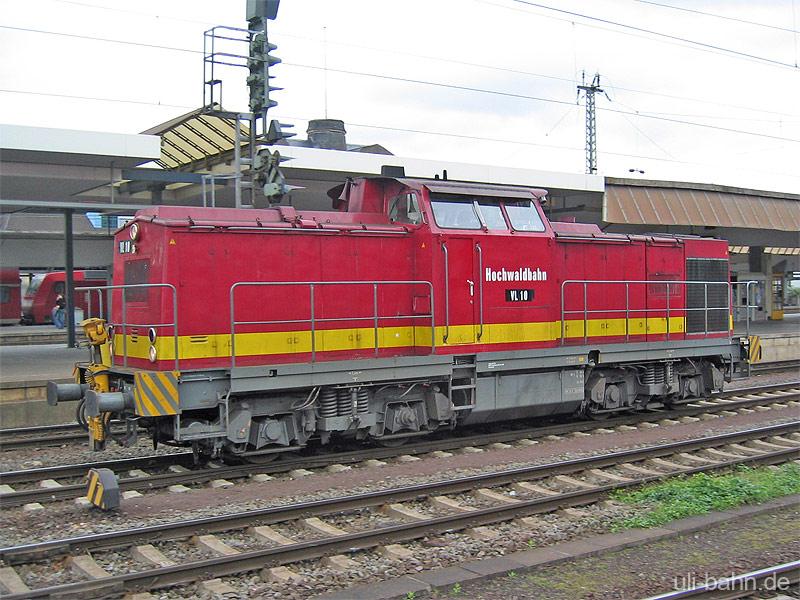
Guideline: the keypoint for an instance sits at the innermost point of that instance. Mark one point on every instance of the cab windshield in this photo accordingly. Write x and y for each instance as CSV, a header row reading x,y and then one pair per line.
x,y
451,211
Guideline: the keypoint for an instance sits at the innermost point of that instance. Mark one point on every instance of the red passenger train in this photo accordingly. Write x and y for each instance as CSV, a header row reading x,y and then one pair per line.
x,y
417,305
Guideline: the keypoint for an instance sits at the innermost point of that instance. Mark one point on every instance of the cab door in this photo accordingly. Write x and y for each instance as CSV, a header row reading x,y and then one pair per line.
x,y
461,282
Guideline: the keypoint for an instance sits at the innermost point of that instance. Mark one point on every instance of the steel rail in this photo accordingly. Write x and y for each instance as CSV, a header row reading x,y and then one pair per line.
x,y
739,586
256,559
162,480
402,494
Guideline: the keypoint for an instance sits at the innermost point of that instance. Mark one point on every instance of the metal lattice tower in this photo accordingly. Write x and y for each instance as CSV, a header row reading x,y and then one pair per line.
x,y
591,121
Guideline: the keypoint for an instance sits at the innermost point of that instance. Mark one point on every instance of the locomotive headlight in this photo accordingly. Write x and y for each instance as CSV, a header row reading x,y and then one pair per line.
x,y
134,231
152,354
151,335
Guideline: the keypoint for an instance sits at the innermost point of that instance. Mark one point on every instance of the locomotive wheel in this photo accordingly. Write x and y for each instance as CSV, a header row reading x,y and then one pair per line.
x,y
80,414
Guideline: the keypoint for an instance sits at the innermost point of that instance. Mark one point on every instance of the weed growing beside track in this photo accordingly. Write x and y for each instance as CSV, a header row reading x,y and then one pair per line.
x,y
701,493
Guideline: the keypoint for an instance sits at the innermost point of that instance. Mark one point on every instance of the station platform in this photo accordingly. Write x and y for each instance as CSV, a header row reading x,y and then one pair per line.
x,y
26,369
23,335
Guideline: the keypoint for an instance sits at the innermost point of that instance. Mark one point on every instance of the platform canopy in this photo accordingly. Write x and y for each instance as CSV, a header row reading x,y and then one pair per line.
x,y
641,202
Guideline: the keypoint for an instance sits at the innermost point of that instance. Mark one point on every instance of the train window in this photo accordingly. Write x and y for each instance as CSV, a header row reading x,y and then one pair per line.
x,y
5,294
492,216
455,215
137,272
524,216
405,209
59,287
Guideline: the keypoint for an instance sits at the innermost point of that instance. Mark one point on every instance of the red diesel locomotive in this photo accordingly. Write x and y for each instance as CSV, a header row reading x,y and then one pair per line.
x,y
417,305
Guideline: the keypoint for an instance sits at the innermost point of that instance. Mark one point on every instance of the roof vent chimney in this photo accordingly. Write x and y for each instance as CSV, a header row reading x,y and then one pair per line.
x,y
327,133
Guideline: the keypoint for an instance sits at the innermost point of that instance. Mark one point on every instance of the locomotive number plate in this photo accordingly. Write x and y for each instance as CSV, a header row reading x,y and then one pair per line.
x,y
519,295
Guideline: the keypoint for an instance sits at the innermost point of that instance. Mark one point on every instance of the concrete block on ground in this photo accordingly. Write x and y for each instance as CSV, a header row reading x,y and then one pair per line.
x,y
572,513
668,422
482,534
689,419
396,552
496,565
470,450
709,416
217,587
580,434
32,506
647,425
85,566
221,484
6,489
373,463
527,522
608,476
49,484
265,533
281,575
319,526
261,477
337,468
11,582
566,479
151,555
138,473
83,502
402,512
526,442
492,496
500,446
298,473
668,464
339,562
553,438
139,596
448,504
178,489
441,454
625,428
130,495
638,470
177,469
214,545
407,458
603,430
527,486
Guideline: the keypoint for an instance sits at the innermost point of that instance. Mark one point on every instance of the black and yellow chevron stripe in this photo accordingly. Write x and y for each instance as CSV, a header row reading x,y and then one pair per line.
x,y
754,354
155,394
103,489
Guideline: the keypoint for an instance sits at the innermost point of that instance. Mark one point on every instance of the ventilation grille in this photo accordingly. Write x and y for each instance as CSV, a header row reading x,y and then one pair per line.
x,y
707,269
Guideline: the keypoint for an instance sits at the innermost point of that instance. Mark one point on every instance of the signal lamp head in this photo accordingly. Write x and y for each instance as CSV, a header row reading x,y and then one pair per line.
x,y
151,335
134,231
152,354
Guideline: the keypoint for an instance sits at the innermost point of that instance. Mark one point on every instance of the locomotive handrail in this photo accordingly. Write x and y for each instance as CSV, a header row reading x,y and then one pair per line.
x,y
314,321
480,288
124,324
446,293
628,310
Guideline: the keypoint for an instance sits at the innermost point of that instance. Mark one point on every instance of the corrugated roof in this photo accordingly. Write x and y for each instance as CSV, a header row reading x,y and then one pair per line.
x,y
195,137
651,205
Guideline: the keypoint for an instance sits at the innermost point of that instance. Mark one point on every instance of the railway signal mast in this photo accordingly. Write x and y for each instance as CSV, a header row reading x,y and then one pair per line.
x,y
259,171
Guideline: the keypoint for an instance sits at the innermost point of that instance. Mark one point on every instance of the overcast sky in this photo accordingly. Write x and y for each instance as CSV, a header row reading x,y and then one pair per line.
x,y
480,81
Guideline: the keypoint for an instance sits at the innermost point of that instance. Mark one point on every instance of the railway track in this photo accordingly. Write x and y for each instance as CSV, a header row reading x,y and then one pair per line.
x,y
281,535
66,482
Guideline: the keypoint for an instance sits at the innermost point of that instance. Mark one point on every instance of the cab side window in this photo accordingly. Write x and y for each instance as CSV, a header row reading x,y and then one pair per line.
x,y
524,216
59,287
405,209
